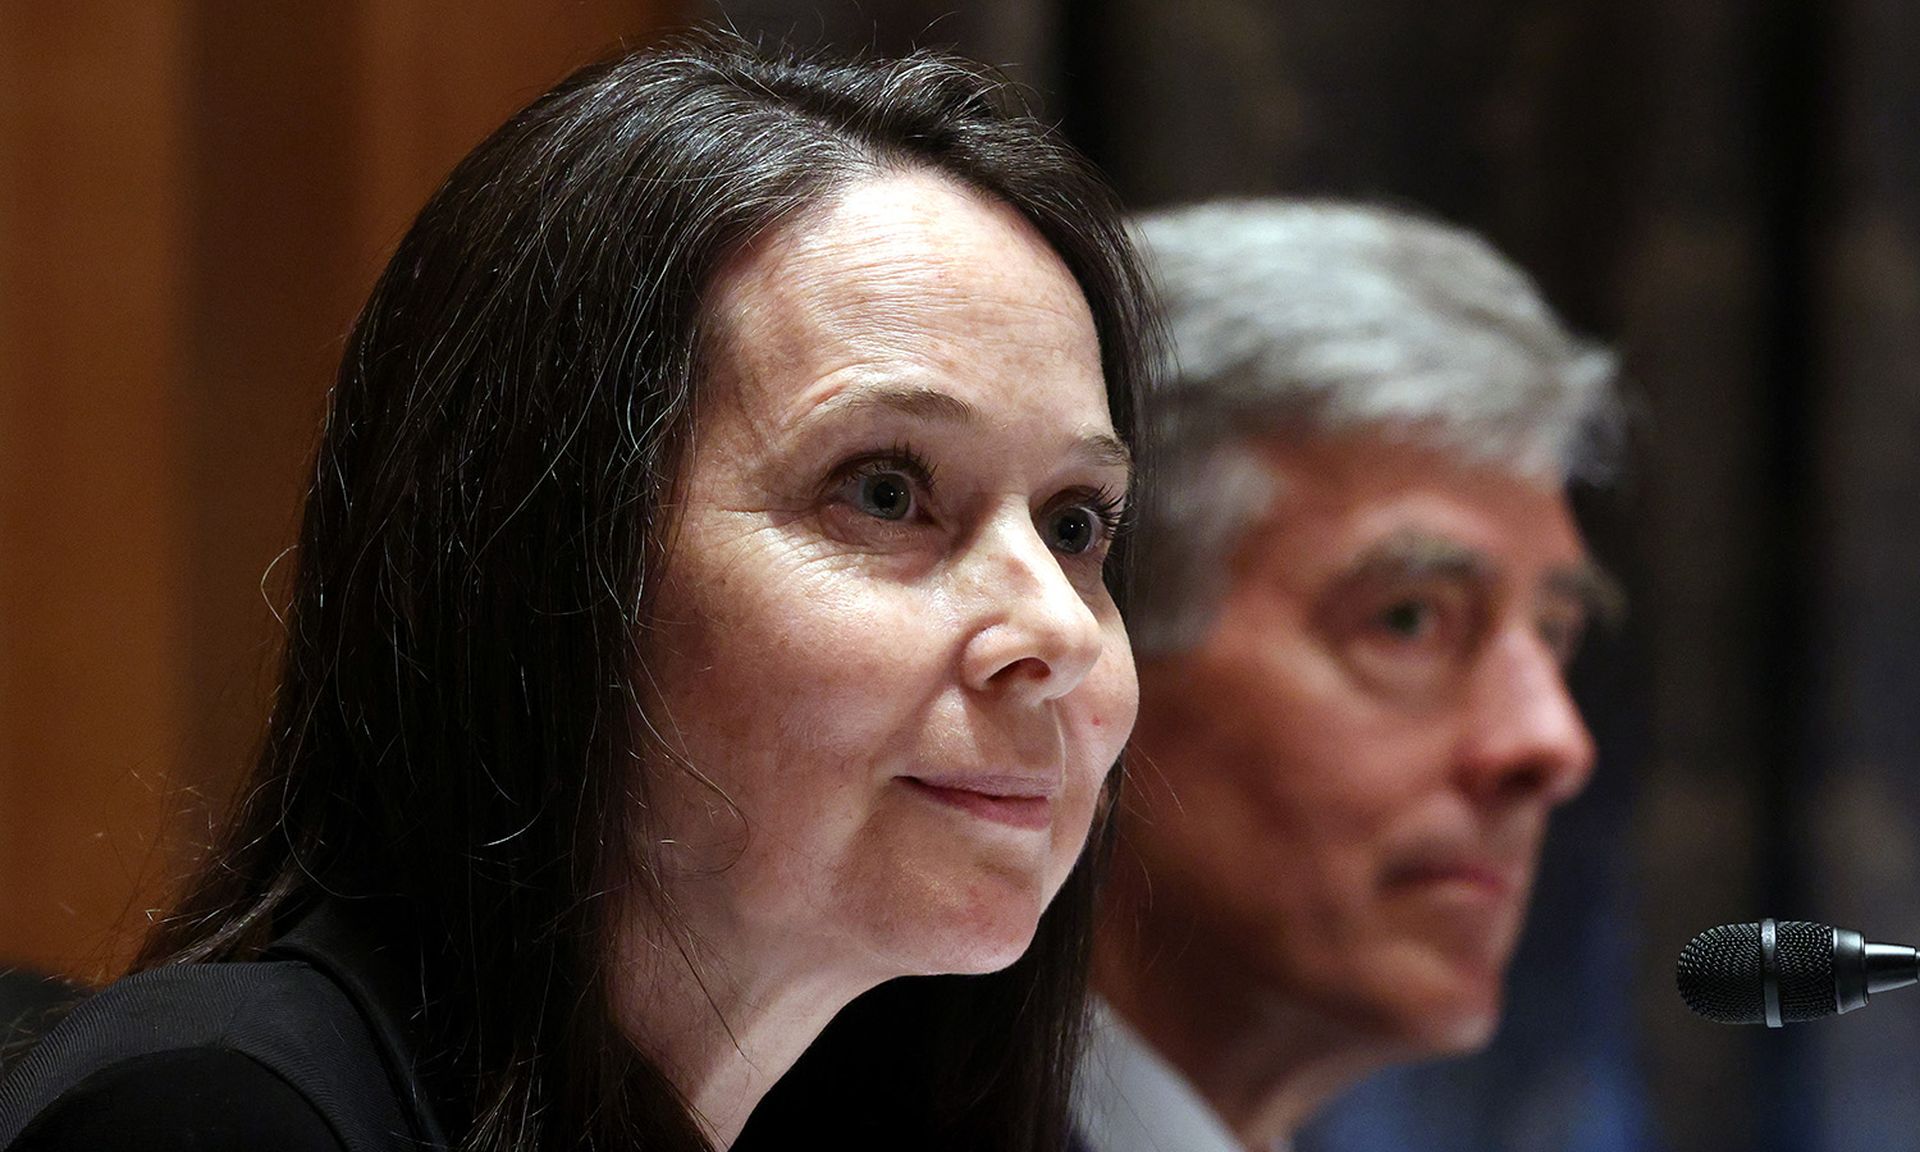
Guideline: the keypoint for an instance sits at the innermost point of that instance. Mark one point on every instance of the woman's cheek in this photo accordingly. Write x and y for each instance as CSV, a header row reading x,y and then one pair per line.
x,y
1106,705
1118,705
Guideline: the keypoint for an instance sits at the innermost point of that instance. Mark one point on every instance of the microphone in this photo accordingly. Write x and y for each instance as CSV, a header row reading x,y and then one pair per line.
x,y
1786,971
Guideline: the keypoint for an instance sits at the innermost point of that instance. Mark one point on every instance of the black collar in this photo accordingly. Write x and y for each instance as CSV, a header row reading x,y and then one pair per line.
x,y
338,940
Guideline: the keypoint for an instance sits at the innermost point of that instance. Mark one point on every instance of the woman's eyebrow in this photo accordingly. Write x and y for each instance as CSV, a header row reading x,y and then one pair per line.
x,y
1102,448
908,400
1106,450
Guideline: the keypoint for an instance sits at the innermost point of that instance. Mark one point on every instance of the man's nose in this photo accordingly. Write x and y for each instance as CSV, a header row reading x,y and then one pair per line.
x,y
1523,737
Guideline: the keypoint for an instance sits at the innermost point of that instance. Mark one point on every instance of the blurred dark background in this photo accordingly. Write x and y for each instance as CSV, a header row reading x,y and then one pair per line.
x,y
194,194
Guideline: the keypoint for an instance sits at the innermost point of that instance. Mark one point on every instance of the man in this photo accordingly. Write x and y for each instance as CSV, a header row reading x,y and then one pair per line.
x,y
1360,586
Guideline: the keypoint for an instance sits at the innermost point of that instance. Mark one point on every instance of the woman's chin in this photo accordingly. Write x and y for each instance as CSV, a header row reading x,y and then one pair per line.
x,y
941,894
986,929
982,958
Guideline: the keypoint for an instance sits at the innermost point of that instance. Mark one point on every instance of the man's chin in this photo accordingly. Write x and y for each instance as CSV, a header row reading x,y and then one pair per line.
x,y
1461,1015
1460,1032
1441,1011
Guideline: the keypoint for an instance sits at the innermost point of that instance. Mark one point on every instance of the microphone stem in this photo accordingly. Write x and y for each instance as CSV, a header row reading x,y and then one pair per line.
x,y
1891,966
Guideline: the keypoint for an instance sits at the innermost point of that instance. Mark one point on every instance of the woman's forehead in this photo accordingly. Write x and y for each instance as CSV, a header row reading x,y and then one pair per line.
x,y
905,246
910,277
918,211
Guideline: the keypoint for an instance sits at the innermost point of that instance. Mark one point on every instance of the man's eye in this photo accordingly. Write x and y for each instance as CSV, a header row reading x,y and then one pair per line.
x,y
1409,619
884,495
1564,636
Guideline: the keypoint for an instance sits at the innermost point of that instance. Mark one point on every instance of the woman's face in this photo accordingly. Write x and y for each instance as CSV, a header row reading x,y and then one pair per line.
x,y
883,635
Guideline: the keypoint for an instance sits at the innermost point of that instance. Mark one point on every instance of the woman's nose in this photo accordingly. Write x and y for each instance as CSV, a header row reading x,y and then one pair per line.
x,y
1035,638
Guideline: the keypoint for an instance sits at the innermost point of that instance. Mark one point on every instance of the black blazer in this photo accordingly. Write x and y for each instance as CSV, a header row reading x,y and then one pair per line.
x,y
301,1050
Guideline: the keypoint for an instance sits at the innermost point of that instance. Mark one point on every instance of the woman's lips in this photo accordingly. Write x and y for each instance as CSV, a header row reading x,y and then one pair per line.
x,y
1016,801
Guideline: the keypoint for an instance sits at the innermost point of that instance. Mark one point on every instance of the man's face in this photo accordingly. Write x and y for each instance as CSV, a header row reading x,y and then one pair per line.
x,y
1341,790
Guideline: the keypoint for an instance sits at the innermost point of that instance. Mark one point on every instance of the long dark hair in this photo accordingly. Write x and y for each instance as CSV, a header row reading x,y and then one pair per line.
x,y
452,739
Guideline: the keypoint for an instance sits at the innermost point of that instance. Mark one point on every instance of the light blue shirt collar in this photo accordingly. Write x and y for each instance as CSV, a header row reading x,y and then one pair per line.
x,y
1128,1098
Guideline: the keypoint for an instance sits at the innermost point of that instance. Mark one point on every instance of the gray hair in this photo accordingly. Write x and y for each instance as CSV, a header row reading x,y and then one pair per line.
x,y
1300,318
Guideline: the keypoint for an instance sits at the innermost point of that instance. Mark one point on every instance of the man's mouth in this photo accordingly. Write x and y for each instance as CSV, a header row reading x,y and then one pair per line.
x,y
1487,877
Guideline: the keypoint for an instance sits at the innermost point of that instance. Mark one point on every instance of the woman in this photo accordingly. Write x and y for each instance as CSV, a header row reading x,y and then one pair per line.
x,y
704,618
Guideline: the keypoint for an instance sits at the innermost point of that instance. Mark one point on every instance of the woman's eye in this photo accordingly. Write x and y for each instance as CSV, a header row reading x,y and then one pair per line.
x,y
894,487
1086,526
885,495
1072,530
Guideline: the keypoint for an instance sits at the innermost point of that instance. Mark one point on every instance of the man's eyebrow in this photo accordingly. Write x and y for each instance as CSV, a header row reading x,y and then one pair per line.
x,y
1588,582
1417,556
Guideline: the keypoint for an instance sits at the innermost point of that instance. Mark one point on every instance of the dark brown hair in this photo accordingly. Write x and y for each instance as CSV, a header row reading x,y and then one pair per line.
x,y
450,739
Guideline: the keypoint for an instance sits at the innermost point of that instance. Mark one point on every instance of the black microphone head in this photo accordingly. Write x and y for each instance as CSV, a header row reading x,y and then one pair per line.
x,y
1720,977
1721,973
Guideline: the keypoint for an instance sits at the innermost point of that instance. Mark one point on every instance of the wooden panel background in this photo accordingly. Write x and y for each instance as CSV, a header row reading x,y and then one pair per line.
x,y
194,196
